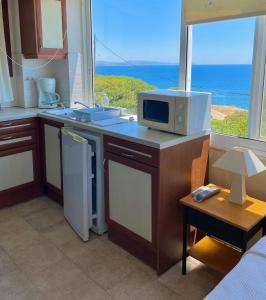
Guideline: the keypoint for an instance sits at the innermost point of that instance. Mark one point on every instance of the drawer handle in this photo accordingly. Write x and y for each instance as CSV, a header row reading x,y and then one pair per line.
x,y
131,150
6,138
6,124
128,155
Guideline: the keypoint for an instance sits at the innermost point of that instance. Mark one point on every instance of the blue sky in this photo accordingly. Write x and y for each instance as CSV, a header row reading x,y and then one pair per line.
x,y
148,30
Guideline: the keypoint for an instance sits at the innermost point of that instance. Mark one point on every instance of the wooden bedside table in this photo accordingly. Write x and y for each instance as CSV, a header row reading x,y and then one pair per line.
x,y
232,226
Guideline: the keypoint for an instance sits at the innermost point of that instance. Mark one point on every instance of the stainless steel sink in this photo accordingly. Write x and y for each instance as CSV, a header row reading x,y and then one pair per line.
x,y
87,114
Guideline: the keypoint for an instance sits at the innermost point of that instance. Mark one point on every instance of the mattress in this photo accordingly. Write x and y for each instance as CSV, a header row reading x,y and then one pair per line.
x,y
248,278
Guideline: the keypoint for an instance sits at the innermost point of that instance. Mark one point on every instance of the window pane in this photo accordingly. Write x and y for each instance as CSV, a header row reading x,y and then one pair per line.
x,y
222,65
137,48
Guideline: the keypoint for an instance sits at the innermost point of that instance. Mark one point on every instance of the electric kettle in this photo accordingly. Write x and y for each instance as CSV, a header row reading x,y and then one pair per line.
x,y
47,97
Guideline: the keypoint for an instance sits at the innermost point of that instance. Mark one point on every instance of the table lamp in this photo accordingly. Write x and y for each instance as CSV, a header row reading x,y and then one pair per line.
x,y
241,162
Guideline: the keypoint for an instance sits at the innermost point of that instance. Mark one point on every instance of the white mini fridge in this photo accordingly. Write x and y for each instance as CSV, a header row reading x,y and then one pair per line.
x,y
83,182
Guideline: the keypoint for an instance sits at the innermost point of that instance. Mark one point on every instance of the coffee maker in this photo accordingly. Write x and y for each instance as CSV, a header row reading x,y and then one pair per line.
x,y
47,97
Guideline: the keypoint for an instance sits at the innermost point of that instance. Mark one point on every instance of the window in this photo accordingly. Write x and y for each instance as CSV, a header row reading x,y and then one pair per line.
x,y
222,65
136,48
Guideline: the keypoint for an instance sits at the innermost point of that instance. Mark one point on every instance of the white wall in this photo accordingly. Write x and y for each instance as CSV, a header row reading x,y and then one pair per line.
x,y
256,185
68,72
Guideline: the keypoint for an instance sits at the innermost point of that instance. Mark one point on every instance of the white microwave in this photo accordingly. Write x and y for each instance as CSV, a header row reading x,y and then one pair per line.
x,y
174,111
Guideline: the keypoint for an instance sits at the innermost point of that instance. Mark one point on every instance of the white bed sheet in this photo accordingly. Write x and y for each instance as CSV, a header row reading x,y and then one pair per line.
x,y
247,280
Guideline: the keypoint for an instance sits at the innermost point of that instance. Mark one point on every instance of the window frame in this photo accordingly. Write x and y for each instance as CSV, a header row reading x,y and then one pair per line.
x,y
258,79
88,52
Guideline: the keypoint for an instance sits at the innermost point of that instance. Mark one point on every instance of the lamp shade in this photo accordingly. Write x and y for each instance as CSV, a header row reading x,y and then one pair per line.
x,y
240,161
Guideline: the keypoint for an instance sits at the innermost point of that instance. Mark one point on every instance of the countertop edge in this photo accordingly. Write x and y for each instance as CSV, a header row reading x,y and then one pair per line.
x,y
96,129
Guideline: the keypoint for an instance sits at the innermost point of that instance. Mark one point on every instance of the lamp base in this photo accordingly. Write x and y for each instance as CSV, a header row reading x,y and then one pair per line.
x,y
238,190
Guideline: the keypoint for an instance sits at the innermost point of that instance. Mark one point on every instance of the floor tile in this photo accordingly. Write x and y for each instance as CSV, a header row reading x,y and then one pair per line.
x,y
12,225
43,219
77,249
109,270
195,285
6,214
100,262
113,247
130,283
60,233
27,208
142,266
13,285
154,291
59,279
13,240
6,264
35,258
90,291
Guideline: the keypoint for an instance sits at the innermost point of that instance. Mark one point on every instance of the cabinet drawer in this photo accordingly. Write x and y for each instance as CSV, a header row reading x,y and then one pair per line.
x,y
133,151
7,127
18,139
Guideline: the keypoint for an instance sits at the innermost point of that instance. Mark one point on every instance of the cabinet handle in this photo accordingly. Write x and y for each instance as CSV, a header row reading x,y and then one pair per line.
x,y
6,124
105,165
128,155
6,138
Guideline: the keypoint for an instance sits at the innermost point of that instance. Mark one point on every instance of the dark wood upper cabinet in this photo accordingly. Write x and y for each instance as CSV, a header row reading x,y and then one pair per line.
x,y
43,28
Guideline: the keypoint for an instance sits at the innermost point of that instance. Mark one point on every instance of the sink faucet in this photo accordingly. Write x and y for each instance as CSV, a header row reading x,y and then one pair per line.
x,y
78,102
61,104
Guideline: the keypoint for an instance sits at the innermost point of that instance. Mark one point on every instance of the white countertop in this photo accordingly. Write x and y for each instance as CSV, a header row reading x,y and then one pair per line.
x,y
14,113
130,131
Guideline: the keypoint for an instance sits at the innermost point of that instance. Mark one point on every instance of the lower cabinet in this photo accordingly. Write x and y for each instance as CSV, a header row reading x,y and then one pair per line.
x,y
20,178
142,188
51,151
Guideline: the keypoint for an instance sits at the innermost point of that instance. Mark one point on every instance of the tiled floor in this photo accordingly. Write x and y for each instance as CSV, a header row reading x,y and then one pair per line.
x,y
41,258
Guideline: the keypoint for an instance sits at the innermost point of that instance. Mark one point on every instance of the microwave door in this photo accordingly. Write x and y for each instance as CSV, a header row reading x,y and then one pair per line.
x,y
158,114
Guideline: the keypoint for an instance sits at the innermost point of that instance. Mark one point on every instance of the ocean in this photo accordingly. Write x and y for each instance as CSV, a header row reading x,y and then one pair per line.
x,y
229,84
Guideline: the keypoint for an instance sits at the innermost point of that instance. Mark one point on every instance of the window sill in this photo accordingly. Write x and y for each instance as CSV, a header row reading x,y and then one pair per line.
x,y
226,142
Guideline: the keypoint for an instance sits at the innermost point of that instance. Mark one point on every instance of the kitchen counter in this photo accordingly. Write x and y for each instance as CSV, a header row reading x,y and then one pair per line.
x,y
130,131
15,113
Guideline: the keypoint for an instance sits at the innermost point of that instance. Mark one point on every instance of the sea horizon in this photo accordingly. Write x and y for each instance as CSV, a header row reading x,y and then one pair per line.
x,y
228,83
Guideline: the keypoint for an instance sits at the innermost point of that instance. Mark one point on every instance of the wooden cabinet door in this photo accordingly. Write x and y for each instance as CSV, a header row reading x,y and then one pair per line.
x,y
43,28
19,175
52,155
51,149
131,196
17,168
52,28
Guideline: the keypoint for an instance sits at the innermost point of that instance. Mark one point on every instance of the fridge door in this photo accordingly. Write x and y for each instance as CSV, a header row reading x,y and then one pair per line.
x,y
77,182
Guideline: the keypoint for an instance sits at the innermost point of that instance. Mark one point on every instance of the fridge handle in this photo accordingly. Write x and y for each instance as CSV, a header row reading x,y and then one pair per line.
x,y
73,136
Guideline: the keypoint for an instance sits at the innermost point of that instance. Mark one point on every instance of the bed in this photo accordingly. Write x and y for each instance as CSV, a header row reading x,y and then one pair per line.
x,y
248,278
